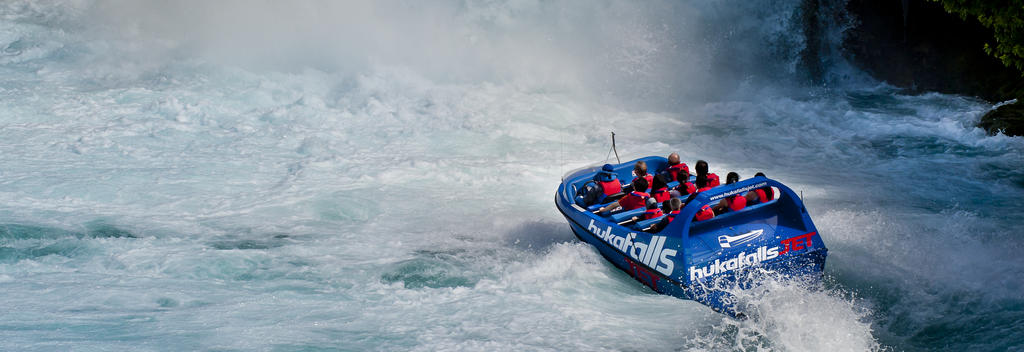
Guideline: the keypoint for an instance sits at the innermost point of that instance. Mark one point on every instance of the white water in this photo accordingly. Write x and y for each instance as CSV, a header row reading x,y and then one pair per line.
x,y
353,176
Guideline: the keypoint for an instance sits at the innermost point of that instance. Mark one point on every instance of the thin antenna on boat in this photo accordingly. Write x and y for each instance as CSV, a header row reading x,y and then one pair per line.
x,y
616,150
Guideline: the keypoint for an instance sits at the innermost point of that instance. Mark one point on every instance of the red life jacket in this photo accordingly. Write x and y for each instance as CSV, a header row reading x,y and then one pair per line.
x,y
633,200
650,181
760,195
689,187
704,213
610,187
677,169
737,202
752,197
652,213
672,215
713,180
661,194
704,189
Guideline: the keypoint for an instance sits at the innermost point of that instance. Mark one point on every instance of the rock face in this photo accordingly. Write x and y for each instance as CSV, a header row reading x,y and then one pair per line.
x,y
916,44
1008,119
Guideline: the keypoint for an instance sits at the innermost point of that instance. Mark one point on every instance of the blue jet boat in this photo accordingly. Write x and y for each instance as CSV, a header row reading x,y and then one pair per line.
x,y
700,260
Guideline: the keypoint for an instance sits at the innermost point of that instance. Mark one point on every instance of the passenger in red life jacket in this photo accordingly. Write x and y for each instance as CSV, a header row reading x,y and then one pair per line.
x,y
676,171
705,213
702,183
760,195
632,200
734,202
660,191
685,189
702,169
608,181
672,208
652,211
769,194
640,171
685,186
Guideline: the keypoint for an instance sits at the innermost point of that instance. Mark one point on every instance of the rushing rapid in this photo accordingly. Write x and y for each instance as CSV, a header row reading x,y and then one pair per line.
x,y
322,175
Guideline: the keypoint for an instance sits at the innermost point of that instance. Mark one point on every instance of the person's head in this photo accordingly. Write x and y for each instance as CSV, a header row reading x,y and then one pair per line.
x,y
675,204
651,203
673,159
640,184
659,182
702,181
606,174
701,167
731,178
640,169
760,174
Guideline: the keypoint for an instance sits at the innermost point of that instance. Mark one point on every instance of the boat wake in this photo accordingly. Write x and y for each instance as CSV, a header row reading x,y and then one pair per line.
x,y
785,313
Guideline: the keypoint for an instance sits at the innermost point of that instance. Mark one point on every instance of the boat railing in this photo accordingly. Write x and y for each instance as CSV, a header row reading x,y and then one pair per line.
x,y
786,208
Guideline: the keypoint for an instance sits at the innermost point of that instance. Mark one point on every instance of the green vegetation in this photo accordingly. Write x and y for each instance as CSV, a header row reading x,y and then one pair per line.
x,y
1005,18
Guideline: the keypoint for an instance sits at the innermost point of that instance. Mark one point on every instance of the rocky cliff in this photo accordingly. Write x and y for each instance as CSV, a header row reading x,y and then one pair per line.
x,y
917,45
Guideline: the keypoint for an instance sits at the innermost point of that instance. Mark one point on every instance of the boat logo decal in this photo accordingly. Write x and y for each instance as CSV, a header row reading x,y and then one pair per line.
x,y
738,191
727,241
653,254
744,259
798,243
740,261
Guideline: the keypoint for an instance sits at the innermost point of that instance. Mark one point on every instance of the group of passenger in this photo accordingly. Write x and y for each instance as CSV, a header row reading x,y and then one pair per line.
x,y
652,192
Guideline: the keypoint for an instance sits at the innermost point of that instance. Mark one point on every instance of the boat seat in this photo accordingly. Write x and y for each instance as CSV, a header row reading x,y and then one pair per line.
x,y
626,215
643,224
610,199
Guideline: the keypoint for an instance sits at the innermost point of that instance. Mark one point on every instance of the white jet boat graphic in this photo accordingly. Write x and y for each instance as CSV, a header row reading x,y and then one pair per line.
x,y
727,241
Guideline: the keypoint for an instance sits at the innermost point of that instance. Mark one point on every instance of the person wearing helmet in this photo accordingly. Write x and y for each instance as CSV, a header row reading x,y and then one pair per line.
x,y
608,181
651,212
652,209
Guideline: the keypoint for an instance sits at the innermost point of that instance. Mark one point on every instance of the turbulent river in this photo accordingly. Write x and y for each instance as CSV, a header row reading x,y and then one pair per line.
x,y
323,175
